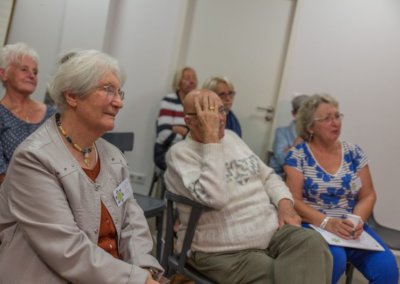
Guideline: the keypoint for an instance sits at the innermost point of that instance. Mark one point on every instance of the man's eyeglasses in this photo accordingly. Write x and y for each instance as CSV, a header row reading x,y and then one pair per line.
x,y
328,119
111,92
230,94
221,110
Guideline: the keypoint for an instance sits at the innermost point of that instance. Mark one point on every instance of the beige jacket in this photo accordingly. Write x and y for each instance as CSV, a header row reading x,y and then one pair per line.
x,y
50,216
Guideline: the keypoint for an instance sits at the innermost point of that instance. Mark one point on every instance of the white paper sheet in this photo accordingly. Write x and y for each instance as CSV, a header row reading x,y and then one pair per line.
x,y
365,241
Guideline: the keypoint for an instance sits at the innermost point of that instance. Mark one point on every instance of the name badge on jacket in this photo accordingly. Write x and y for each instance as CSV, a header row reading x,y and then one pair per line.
x,y
123,192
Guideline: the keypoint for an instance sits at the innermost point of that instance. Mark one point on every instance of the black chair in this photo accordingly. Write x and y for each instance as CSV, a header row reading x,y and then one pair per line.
x,y
390,236
172,262
349,272
152,207
122,140
158,182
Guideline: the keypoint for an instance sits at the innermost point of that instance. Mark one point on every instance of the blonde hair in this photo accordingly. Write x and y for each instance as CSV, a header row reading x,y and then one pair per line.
x,y
305,115
178,77
212,82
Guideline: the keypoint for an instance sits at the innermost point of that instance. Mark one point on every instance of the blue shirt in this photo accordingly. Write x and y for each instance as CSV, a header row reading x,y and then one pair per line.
x,y
13,131
233,124
284,139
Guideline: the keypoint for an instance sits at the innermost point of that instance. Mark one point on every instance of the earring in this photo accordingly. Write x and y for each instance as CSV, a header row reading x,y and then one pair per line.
x,y
311,136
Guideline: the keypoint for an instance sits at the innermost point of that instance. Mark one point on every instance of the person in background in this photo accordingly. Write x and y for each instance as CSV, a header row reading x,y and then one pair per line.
x,y
329,179
285,138
20,115
47,98
68,185
253,233
171,126
226,91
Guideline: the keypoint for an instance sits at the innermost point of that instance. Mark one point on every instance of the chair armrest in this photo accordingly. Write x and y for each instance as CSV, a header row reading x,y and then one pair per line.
x,y
195,213
184,200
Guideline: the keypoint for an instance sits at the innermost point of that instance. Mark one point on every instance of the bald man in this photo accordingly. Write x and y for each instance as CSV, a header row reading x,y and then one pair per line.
x,y
254,234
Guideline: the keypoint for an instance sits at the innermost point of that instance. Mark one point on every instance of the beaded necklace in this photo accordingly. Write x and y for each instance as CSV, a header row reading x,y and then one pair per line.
x,y
85,151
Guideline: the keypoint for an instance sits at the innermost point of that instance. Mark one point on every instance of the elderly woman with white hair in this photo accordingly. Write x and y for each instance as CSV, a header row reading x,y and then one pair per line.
x,y
20,115
67,211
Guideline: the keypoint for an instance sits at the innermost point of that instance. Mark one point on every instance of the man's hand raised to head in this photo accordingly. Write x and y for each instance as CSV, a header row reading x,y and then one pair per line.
x,y
206,121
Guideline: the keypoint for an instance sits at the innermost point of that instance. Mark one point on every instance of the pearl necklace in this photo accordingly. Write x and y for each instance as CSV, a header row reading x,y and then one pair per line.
x,y
85,151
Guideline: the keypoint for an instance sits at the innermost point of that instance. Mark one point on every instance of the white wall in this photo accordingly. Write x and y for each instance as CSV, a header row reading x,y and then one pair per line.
x,y
350,49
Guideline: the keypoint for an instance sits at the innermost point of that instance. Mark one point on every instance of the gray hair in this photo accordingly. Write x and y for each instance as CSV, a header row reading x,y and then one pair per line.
x,y
305,115
298,101
13,53
178,77
212,82
80,73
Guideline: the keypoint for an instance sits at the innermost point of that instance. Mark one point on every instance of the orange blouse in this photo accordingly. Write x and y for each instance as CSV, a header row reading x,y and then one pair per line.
x,y
108,238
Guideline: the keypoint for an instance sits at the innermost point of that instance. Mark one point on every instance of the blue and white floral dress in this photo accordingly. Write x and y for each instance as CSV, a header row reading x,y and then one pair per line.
x,y
336,195
332,194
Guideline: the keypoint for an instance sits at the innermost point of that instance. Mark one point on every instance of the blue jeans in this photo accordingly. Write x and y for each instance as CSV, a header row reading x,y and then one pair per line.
x,y
379,267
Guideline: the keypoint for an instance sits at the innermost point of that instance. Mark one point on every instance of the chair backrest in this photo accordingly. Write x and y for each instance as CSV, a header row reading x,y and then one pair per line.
x,y
390,236
122,140
158,182
176,263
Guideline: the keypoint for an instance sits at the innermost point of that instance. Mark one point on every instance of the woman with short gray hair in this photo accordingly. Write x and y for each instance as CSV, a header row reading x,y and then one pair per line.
x,y
332,186
305,117
20,115
68,185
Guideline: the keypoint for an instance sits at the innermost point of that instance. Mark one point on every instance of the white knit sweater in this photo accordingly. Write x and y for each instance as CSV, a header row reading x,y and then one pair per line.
x,y
230,178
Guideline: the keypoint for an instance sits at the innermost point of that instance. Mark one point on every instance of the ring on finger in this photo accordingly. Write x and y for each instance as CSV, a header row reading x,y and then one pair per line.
x,y
211,108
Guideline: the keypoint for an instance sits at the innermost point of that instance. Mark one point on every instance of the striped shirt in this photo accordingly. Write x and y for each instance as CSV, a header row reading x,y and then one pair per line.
x,y
171,113
332,194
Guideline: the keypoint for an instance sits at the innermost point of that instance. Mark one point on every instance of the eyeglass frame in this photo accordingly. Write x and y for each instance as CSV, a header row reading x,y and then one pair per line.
x,y
230,94
328,119
111,91
221,110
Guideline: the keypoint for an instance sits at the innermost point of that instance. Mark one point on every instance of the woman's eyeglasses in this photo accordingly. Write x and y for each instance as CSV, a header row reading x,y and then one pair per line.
x,y
230,94
328,119
111,92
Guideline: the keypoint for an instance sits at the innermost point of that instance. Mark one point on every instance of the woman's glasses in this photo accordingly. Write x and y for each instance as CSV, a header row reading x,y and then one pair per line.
x,y
329,118
111,92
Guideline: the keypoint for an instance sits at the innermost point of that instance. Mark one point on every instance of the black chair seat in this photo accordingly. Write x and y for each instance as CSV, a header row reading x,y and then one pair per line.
x,y
390,236
151,206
